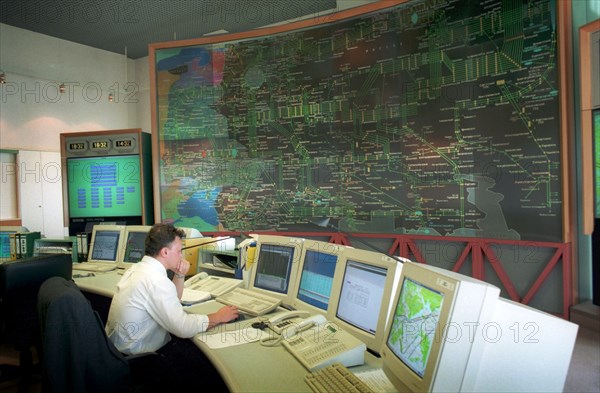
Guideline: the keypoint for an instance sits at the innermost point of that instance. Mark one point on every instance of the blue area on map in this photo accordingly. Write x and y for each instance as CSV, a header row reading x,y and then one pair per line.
x,y
201,204
185,56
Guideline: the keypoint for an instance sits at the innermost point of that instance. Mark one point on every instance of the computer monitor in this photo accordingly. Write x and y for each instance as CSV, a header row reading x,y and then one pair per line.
x,y
316,275
135,244
107,243
433,340
361,294
276,267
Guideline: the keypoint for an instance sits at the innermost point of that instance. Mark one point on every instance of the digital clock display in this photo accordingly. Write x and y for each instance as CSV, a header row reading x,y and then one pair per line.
x,y
100,145
77,146
124,143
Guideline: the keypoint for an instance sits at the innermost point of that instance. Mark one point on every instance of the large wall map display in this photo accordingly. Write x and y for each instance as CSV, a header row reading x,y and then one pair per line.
x,y
431,117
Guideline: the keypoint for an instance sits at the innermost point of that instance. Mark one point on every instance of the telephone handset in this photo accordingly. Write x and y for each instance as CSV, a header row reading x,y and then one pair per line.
x,y
290,327
290,323
282,320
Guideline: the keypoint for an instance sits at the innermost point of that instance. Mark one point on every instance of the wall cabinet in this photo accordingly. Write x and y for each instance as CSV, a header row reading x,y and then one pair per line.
x,y
40,192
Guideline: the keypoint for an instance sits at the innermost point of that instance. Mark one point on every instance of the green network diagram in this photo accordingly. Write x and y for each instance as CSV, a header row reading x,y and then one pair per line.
x,y
432,117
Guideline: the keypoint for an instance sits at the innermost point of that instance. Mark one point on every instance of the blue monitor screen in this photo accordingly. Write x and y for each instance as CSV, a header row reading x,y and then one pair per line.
x,y
317,278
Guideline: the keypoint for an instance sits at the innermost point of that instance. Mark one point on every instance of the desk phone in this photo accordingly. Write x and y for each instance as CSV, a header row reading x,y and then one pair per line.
x,y
314,341
325,344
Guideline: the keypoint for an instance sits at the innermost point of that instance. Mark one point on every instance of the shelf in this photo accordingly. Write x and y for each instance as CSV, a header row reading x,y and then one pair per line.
x,y
66,245
206,266
215,261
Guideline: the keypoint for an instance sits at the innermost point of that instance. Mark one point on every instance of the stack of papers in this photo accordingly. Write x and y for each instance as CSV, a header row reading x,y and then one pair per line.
x,y
193,296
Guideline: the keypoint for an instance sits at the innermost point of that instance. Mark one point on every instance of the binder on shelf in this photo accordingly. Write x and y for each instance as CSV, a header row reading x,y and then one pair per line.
x,y
15,252
25,242
83,241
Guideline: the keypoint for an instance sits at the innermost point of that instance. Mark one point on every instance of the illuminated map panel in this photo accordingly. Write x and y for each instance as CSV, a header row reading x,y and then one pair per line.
x,y
431,117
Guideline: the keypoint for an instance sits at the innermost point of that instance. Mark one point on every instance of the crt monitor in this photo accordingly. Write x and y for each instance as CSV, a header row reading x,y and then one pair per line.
x,y
135,244
276,267
107,243
361,294
316,275
433,340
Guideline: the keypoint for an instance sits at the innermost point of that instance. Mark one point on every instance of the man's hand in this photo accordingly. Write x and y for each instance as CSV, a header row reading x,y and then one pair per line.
x,y
223,315
182,267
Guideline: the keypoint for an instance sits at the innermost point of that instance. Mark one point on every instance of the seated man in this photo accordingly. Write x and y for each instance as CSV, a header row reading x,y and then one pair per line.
x,y
146,308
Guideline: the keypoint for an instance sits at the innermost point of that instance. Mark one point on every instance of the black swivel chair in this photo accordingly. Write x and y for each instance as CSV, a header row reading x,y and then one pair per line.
x,y
19,284
77,354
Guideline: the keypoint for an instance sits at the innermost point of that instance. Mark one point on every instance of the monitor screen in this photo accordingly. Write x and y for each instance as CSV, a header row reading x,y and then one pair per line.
x,y
104,186
362,294
273,268
425,347
317,271
415,323
276,265
106,243
135,243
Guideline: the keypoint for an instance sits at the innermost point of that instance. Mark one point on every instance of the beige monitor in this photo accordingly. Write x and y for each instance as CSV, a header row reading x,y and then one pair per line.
x,y
135,245
106,244
361,294
275,269
316,275
433,340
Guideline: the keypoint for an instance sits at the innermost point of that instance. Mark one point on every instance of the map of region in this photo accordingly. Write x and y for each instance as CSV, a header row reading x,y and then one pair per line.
x,y
433,117
415,321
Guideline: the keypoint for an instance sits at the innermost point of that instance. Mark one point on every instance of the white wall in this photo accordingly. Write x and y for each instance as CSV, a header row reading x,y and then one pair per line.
x,y
33,113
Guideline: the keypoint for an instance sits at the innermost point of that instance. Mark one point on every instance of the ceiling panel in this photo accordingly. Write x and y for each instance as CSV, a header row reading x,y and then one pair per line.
x,y
130,25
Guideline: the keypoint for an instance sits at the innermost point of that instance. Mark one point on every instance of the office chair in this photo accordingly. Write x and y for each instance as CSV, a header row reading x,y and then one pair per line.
x,y
19,284
77,354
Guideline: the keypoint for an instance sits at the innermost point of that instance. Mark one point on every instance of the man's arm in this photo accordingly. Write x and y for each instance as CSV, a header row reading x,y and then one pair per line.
x,y
179,276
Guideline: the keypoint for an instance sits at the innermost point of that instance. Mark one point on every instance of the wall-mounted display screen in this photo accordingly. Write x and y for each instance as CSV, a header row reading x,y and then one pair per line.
x,y
426,117
104,186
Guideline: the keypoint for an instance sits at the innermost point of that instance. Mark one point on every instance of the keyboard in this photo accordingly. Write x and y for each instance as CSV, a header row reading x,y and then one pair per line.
x,y
216,286
94,267
249,302
336,378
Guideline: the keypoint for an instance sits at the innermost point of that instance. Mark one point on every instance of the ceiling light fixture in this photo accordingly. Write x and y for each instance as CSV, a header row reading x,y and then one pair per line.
x,y
2,77
111,97
62,88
